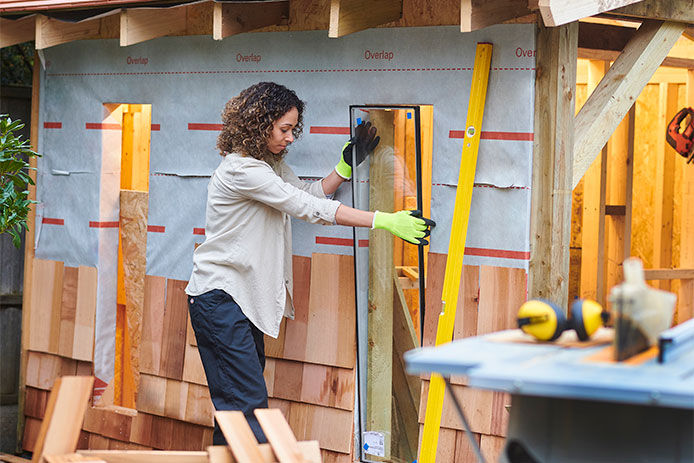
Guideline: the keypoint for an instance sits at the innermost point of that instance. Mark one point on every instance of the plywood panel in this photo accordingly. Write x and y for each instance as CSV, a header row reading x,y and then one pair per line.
x,y
152,324
174,331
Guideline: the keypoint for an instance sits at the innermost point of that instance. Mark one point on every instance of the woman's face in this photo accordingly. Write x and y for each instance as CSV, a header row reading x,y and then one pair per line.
x,y
282,131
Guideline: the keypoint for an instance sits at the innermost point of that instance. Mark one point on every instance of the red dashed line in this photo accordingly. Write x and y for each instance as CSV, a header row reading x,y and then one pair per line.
x,y
52,221
52,125
156,228
198,231
501,253
486,135
484,185
340,241
200,126
277,71
102,126
156,127
329,130
95,224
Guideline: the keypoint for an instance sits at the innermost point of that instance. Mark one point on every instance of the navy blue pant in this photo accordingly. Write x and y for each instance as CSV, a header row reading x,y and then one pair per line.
x,y
232,350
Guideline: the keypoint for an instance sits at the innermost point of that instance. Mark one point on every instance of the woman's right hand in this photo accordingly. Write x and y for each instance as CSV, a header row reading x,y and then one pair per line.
x,y
408,225
364,140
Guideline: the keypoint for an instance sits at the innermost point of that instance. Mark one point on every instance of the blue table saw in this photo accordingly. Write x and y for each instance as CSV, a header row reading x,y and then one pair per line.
x,y
574,404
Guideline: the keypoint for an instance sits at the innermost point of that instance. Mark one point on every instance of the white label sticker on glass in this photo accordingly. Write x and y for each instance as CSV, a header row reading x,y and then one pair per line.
x,y
374,443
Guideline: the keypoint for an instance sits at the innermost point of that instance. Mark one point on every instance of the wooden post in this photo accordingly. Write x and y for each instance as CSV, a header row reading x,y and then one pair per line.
x,y
664,196
629,188
555,88
594,190
685,309
29,249
381,273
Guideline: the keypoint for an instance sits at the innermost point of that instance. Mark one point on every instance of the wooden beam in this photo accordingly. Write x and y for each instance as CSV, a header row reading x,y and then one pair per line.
x,y
558,12
555,90
236,17
593,229
141,24
629,187
348,16
14,31
668,274
29,251
607,106
381,273
664,195
279,435
610,55
478,14
51,32
685,302
669,10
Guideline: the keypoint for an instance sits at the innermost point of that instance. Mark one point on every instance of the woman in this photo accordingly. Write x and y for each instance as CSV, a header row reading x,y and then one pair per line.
x,y
241,283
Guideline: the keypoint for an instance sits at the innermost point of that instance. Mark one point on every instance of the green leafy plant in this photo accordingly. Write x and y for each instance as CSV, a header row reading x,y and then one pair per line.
x,y
14,179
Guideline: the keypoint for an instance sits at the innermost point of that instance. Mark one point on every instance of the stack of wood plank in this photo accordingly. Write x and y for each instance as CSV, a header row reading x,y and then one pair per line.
x,y
488,301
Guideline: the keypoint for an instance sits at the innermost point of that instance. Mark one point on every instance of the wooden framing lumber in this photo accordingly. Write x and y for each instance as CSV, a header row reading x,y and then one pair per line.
x,y
348,16
478,14
51,32
236,17
668,274
550,224
310,452
616,93
279,435
670,10
594,195
141,24
14,31
685,307
381,274
62,422
239,436
406,388
558,12
149,456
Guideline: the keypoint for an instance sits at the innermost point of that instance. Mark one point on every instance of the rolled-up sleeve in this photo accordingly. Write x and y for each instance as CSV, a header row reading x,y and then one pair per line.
x,y
259,182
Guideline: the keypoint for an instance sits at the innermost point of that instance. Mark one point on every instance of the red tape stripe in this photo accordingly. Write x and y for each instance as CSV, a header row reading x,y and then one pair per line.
x,y
156,127
95,224
523,255
340,241
156,228
199,126
102,126
198,231
329,130
52,125
51,221
514,136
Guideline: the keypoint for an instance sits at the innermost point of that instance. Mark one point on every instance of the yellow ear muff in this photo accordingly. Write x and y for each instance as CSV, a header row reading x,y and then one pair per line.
x,y
586,317
541,319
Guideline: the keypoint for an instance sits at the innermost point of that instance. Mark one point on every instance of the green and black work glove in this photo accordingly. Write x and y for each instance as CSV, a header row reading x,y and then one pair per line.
x,y
364,141
408,225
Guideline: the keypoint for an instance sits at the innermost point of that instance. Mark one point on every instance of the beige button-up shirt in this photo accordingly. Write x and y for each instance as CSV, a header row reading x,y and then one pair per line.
x,y
248,238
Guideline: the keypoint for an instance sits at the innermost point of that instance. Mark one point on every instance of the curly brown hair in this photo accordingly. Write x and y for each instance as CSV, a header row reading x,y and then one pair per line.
x,y
248,119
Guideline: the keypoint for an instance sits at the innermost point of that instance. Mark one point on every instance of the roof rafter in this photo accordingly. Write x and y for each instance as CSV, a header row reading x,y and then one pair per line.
x,y
348,16
236,17
17,31
558,12
477,14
